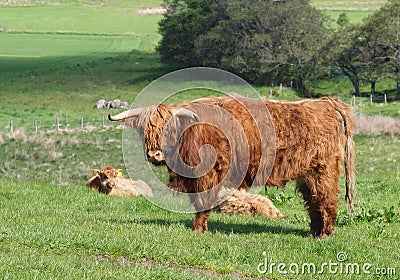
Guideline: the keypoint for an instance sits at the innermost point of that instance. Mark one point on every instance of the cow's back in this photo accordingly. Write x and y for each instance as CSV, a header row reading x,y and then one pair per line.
x,y
308,133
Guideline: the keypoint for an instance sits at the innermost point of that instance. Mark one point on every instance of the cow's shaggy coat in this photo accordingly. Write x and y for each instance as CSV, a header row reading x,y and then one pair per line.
x,y
244,203
311,139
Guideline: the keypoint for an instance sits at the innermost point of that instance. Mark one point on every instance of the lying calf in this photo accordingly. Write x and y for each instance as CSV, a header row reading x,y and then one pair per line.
x,y
242,202
109,180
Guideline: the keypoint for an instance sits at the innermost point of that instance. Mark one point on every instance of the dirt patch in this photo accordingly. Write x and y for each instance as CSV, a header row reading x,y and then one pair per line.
x,y
123,261
152,11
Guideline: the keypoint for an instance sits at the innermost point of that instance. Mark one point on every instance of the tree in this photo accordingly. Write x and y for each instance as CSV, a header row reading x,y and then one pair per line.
x,y
382,33
343,20
236,44
263,41
370,56
185,21
370,51
266,41
342,51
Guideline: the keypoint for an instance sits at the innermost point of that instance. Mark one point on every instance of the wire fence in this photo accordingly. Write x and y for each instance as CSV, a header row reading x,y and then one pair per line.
x,y
63,122
60,123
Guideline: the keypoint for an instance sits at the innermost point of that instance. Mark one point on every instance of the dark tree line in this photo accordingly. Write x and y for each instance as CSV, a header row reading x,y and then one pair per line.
x,y
266,41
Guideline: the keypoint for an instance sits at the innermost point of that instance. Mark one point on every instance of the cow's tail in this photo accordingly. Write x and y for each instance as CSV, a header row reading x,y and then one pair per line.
x,y
346,113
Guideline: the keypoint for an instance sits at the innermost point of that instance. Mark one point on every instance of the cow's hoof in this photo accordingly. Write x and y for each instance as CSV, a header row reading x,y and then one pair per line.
x,y
324,236
200,229
311,234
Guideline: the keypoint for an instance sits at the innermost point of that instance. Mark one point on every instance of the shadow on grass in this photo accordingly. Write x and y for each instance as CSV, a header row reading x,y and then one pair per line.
x,y
219,227
253,228
124,67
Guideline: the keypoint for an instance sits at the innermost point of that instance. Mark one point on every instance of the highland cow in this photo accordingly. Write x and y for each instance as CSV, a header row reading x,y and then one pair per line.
x,y
303,141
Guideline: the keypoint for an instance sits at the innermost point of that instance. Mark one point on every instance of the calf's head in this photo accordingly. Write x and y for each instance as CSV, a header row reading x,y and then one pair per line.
x,y
106,177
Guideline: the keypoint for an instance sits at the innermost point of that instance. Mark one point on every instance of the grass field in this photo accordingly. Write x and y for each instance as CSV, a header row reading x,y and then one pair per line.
x,y
48,230
60,58
92,53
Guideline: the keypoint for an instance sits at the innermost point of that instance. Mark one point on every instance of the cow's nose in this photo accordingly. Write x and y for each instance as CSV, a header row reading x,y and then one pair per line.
x,y
155,156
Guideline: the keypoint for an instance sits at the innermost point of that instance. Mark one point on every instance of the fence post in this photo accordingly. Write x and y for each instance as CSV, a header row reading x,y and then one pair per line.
x,y
370,99
81,122
385,98
66,120
102,121
36,126
353,101
11,127
57,124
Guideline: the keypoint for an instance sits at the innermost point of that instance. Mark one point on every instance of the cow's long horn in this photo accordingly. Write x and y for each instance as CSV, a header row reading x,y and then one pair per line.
x,y
186,113
126,114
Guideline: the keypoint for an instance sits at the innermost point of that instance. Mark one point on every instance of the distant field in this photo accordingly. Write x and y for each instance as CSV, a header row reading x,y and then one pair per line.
x,y
356,11
353,16
46,32
95,3
45,52
73,55
348,5
77,19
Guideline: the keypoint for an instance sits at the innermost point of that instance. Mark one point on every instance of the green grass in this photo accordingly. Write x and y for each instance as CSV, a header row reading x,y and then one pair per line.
x,y
56,227
76,237
49,231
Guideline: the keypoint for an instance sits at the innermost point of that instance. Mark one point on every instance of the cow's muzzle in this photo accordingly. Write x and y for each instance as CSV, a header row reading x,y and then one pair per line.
x,y
155,156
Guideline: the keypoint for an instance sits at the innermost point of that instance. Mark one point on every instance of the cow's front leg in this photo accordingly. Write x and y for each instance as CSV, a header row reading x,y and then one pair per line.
x,y
200,221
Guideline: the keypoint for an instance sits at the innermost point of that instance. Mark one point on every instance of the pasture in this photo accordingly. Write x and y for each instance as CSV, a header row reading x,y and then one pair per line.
x,y
59,58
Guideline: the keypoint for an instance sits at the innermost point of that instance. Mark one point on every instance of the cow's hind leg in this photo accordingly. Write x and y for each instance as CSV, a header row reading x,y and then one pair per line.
x,y
200,223
320,193
312,207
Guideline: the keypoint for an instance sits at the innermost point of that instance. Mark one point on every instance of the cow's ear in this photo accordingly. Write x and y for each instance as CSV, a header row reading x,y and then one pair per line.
x,y
185,113
96,172
131,122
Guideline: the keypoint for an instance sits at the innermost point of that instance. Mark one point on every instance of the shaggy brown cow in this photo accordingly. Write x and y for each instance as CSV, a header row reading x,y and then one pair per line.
x,y
311,139
109,181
